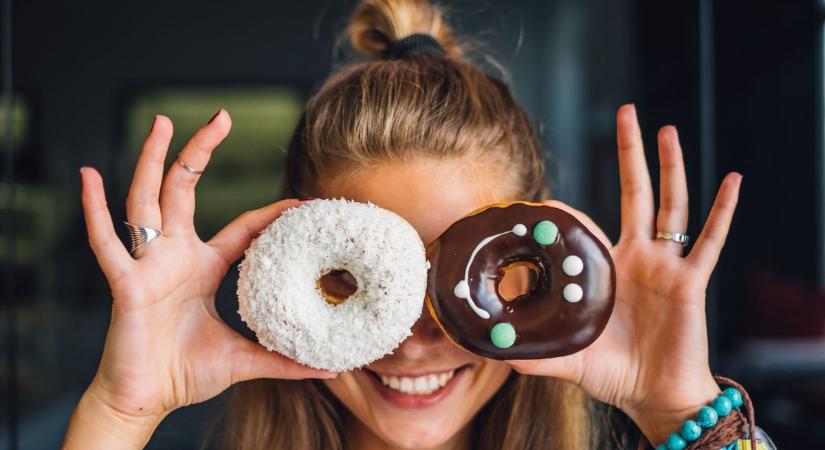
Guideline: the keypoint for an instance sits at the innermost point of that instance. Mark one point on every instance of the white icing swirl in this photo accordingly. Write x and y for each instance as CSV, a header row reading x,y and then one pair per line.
x,y
462,288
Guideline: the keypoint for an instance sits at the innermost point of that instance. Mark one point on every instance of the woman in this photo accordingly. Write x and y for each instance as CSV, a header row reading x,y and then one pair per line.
x,y
439,139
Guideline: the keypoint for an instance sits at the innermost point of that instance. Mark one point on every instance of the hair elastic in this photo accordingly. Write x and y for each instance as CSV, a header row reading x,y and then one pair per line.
x,y
414,43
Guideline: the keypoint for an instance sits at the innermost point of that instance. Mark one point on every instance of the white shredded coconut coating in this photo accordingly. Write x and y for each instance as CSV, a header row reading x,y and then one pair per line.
x,y
280,301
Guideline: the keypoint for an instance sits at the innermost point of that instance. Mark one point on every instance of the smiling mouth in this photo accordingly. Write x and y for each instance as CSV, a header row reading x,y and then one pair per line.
x,y
420,385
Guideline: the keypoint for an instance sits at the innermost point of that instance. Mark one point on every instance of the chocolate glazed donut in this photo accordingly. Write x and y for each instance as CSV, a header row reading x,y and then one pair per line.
x,y
567,307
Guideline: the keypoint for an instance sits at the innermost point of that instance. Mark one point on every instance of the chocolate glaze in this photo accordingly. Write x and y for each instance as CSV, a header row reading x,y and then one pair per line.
x,y
546,324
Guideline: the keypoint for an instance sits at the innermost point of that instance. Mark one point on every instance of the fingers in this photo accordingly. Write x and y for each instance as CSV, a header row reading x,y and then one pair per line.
x,y
234,239
709,245
251,360
637,195
673,192
107,247
177,202
142,207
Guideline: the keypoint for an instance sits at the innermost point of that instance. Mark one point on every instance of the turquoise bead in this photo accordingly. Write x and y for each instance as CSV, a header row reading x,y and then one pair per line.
x,y
675,442
691,430
545,232
734,396
707,417
661,447
722,405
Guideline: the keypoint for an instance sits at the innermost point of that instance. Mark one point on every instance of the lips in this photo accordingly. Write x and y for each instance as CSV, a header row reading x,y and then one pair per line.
x,y
412,391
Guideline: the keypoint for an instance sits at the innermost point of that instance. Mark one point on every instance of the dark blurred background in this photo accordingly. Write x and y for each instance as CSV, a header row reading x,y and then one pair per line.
x,y
742,80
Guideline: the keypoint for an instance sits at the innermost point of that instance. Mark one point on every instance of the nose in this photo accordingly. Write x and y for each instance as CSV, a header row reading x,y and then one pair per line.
x,y
426,335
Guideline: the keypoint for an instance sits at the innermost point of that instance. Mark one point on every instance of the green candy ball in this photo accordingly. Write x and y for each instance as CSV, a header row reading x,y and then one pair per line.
x,y
503,335
545,232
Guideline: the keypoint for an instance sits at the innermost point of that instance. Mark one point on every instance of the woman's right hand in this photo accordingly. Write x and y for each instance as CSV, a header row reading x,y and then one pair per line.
x,y
166,346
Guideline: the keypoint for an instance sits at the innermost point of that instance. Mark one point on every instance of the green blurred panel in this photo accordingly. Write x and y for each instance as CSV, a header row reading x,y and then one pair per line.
x,y
246,171
35,212
20,116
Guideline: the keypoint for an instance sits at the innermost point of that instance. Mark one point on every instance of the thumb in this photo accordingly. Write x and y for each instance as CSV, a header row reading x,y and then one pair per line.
x,y
236,237
567,368
251,360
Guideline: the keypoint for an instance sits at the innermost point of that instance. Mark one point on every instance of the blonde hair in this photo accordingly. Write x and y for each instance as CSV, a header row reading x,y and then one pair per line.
x,y
421,106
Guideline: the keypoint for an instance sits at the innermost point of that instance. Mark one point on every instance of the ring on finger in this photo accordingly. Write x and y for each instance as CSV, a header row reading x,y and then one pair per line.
x,y
680,238
188,168
140,236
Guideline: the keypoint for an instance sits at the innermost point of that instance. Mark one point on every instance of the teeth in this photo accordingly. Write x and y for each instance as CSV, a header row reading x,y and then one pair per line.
x,y
432,385
443,378
423,385
406,385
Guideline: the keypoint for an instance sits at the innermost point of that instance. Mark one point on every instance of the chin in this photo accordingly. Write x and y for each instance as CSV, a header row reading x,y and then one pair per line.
x,y
417,406
416,434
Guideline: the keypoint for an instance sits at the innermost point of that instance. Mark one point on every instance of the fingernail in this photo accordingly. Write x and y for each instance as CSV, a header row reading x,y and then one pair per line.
x,y
215,116
306,199
632,106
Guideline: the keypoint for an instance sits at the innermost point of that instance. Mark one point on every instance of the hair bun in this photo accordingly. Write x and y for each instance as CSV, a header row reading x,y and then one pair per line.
x,y
377,24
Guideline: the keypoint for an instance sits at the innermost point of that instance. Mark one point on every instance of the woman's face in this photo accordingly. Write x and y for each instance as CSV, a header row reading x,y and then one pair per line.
x,y
426,392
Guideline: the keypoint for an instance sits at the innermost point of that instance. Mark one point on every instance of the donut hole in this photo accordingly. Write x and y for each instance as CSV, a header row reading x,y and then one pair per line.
x,y
517,280
337,285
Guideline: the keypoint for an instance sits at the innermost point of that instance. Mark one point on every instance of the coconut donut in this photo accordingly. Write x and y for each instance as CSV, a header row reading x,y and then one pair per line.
x,y
565,309
333,284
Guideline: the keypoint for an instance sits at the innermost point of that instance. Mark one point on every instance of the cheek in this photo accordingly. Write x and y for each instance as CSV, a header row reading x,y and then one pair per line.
x,y
491,378
347,390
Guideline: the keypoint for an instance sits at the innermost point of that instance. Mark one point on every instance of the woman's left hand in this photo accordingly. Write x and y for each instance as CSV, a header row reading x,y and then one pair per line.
x,y
651,361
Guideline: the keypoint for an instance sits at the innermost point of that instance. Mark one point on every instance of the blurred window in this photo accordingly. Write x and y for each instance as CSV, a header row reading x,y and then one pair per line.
x,y
246,170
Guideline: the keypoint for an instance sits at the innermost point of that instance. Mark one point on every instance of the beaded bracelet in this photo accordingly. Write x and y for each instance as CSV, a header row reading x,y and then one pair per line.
x,y
707,417
720,425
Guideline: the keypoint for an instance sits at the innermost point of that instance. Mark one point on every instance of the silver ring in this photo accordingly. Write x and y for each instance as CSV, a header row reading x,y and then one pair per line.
x,y
188,168
680,238
140,236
